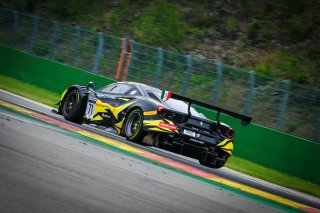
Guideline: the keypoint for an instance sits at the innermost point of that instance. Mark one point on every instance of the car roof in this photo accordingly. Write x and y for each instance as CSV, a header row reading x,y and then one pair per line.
x,y
141,86
145,88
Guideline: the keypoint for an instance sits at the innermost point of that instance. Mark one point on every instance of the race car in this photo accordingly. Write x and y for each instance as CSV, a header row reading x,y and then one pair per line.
x,y
146,114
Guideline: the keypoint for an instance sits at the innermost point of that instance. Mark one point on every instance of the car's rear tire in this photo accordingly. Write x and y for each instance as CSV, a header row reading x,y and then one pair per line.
x,y
133,126
71,108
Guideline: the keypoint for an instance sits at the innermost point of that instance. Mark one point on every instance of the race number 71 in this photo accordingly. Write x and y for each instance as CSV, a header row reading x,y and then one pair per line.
x,y
90,109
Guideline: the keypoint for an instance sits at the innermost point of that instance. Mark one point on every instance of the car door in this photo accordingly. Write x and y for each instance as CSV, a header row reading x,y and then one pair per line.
x,y
113,94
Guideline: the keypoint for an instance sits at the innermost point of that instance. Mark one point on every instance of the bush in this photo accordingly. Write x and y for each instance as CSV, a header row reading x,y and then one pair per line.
x,y
253,29
160,24
72,8
284,66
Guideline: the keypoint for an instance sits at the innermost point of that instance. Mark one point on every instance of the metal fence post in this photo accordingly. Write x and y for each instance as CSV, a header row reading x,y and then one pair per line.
x,y
53,38
284,103
75,45
129,60
34,33
187,74
316,132
215,90
250,90
156,77
98,53
14,28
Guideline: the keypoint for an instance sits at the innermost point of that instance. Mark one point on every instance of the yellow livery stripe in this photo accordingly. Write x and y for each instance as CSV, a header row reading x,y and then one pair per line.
x,y
153,112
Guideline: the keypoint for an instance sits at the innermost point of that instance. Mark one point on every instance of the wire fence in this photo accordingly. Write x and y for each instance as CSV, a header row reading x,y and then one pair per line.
x,y
274,103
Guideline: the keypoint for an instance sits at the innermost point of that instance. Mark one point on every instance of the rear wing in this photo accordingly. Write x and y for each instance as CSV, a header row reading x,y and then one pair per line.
x,y
245,120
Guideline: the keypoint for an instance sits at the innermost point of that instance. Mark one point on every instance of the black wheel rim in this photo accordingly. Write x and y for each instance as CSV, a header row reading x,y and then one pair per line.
x,y
133,124
70,103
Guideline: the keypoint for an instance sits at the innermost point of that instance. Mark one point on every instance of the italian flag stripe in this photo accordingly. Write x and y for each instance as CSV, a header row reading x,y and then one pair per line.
x,y
165,95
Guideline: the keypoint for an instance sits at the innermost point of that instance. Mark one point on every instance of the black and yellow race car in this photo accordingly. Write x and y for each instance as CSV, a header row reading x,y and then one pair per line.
x,y
142,113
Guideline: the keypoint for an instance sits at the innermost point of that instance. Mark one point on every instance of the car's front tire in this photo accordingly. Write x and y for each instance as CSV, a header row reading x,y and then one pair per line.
x,y
133,127
71,108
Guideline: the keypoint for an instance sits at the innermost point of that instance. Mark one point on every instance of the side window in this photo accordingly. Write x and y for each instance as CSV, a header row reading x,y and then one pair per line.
x,y
116,88
153,96
134,92
108,88
120,89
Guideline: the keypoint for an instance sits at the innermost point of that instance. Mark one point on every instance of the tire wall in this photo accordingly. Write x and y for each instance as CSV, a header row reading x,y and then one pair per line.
x,y
261,145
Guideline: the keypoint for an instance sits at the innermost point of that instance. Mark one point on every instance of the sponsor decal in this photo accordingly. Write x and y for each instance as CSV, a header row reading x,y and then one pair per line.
x,y
196,141
104,115
168,126
103,96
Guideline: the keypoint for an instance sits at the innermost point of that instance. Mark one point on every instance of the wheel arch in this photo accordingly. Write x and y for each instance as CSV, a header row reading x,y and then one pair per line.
x,y
81,89
139,135
131,108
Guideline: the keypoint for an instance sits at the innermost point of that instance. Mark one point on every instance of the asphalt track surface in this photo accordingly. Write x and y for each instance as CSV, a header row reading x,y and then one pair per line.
x,y
46,170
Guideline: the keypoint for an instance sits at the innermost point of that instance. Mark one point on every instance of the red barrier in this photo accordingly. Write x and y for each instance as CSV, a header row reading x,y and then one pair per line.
x,y
122,55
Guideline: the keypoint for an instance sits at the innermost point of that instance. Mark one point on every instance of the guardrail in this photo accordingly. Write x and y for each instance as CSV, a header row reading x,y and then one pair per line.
x,y
274,103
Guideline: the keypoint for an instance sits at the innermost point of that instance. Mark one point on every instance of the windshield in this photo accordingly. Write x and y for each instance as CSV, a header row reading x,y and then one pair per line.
x,y
175,104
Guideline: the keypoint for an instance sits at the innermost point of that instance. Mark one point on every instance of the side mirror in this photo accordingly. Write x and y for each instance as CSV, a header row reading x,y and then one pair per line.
x,y
92,85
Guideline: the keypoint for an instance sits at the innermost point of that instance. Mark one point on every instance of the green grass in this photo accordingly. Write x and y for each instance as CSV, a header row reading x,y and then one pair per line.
x,y
273,176
238,164
28,90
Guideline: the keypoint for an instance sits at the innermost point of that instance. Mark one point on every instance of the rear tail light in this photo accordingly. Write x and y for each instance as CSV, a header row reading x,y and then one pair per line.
x,y
162,111
230,133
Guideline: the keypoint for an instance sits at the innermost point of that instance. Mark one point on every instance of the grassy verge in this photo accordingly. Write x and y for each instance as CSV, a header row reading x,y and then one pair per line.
x,y
238,164
273,176
28,90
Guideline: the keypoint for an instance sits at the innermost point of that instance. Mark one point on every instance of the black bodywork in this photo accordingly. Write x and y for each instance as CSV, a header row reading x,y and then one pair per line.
x,y
137,112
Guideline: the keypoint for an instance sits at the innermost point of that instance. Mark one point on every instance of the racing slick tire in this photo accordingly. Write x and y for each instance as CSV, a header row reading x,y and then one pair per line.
x,y
71,108
133,126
